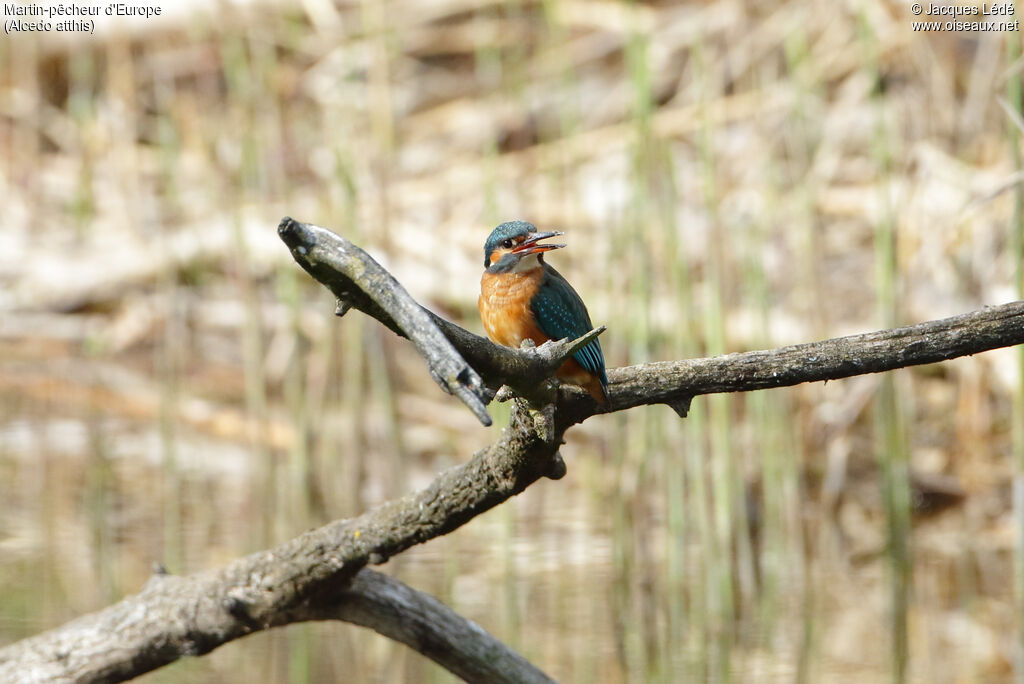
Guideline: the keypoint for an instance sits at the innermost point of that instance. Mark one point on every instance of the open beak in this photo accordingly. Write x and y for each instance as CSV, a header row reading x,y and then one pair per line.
x,y
530,246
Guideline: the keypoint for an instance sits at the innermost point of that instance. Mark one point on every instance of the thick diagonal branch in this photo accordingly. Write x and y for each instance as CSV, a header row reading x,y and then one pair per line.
x,y
179,616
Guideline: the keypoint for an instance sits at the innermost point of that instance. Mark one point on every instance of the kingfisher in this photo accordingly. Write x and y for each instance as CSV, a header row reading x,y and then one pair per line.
x,y
523,297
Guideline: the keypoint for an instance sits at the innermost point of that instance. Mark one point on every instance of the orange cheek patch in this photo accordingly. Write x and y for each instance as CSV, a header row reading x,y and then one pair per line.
x,y
497,254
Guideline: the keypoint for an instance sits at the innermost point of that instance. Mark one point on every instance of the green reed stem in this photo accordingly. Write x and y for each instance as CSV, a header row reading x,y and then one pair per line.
x,y
891,444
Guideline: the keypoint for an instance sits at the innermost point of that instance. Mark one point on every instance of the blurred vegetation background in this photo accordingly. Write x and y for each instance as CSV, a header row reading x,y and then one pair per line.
x,y
730,175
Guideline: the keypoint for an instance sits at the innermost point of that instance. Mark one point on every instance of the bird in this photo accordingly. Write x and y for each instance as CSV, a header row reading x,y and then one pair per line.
x,y
523,297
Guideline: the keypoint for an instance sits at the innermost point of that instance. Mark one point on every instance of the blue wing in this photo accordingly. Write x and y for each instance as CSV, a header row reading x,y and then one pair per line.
x,y
560,313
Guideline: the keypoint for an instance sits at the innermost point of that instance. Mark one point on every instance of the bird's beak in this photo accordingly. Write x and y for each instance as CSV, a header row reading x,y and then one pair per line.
x,y
530,246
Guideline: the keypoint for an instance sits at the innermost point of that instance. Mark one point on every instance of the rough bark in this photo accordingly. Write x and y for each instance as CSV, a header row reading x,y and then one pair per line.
x,y
674,382
427,626
181,616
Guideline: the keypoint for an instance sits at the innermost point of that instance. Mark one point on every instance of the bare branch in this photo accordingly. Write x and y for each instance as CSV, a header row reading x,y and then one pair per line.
x,y
426,625
676,382
181,616
840,357
357,280
557,351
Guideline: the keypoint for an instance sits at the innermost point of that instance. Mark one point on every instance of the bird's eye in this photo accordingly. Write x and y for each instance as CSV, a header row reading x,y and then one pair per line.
x,y
507,243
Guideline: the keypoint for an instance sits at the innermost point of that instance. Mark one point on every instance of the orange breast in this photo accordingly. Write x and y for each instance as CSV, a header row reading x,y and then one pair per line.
x,y
505,307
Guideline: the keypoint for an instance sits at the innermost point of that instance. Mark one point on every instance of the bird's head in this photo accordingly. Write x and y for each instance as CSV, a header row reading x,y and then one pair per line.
x,y
513,246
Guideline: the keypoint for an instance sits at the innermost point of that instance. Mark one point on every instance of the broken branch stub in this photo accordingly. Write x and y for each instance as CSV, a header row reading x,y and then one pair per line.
x,y
358,281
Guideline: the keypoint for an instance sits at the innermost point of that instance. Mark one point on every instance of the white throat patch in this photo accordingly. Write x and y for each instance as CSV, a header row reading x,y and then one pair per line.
x,y
527,263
